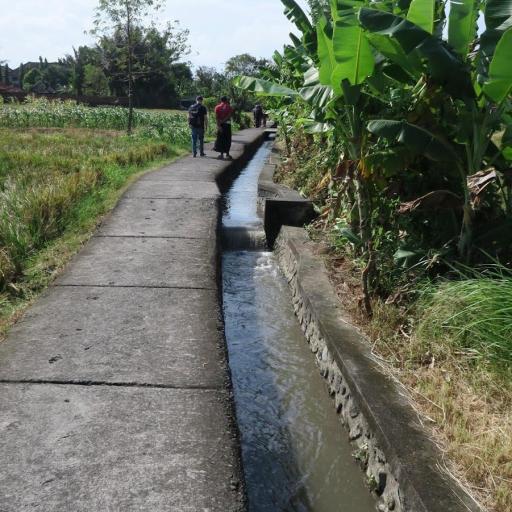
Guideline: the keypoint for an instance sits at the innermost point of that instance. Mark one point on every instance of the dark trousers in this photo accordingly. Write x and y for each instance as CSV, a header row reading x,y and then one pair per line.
x,y
223,141
197,137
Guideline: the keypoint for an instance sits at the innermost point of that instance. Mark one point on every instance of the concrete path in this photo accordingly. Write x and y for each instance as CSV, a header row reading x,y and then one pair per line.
x,y
114,388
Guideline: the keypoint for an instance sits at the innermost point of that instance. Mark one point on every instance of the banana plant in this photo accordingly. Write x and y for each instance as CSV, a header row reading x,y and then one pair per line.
x,y
335,66
480,82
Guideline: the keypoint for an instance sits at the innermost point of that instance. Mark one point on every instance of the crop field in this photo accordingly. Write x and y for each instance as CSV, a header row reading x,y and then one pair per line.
x,y
61,168
170,125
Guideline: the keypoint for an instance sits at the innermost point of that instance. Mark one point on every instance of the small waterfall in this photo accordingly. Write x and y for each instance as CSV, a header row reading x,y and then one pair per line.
x,y
244,239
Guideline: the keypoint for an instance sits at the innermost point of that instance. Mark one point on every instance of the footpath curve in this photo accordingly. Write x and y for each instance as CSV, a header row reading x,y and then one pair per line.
x,y
115,389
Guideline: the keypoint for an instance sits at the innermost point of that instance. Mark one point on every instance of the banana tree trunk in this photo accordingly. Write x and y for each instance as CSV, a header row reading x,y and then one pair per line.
x,y
365,230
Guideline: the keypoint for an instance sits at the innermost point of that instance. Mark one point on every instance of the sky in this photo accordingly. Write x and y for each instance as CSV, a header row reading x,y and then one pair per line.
x,y
219,29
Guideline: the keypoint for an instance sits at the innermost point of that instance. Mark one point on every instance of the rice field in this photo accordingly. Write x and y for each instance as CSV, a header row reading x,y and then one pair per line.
x,y
62,167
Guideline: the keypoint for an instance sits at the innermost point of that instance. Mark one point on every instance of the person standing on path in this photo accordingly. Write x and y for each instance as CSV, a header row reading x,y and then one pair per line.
x,y
258,115
223,113
198,122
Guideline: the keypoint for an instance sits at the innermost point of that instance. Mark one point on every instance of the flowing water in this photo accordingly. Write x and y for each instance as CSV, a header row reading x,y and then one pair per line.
x,y
296,453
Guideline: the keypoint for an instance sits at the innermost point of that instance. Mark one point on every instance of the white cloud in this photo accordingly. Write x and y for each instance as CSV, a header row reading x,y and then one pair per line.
x,y
219,29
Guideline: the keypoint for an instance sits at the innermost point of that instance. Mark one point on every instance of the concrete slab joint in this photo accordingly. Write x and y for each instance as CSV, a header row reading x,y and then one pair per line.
x,y
115,387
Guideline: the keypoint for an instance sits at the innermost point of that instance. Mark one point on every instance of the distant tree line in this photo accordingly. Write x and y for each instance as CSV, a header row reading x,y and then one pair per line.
x,y
163,79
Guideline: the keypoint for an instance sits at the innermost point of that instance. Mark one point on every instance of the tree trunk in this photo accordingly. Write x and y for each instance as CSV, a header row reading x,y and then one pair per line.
x,y
366,237
466,235
130,66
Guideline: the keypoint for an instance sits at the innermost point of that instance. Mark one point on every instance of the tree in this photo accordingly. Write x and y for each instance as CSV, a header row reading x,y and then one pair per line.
x,y
34,81
95,82
21,75
124,17
78,71
77,62
209,82
155,67
183,79
239,65
388,88
245,64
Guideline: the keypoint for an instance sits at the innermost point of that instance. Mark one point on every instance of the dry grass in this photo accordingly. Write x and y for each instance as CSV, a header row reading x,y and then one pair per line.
x,y
454,365
467,407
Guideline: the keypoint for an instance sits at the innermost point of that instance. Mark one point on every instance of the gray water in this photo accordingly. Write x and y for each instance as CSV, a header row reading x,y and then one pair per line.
x,y
295,452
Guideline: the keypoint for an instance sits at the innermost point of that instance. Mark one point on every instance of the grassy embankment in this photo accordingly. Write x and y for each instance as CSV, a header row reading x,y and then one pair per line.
x,y
62,168
447,341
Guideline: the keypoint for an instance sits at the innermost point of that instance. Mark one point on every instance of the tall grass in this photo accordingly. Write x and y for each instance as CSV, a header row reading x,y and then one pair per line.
x,y
453,351
472,316
47,174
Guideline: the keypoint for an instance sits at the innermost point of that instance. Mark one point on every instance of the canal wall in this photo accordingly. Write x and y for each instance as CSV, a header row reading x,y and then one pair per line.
x,y
402,465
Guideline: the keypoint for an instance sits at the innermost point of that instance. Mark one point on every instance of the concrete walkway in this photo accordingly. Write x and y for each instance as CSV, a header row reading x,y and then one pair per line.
x,y
114,389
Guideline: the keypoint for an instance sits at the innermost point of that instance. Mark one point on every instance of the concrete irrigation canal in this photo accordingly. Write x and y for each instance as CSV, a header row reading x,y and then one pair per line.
x,y
116,394
296,456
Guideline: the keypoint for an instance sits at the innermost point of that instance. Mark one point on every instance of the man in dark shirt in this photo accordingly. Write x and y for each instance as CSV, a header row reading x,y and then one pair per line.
x,y
198,122
258,115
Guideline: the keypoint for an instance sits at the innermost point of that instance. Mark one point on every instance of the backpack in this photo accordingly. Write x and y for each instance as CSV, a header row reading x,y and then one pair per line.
x,y
195,118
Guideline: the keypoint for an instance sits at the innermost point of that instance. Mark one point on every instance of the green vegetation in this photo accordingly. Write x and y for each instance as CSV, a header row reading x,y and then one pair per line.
x,y
396,117
170,126
55,183
471,316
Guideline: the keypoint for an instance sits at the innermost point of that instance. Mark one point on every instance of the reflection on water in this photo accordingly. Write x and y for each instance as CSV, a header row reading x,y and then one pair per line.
x,y
296,454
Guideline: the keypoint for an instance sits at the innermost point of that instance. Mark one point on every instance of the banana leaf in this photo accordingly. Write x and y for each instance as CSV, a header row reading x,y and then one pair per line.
x,y
498,14
392,50
296,57
498,18
262,87
499,83
277,58
297,16
421,13
325,51
416,139
317,95
342,8
352,51
462,25
441,62
312,126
